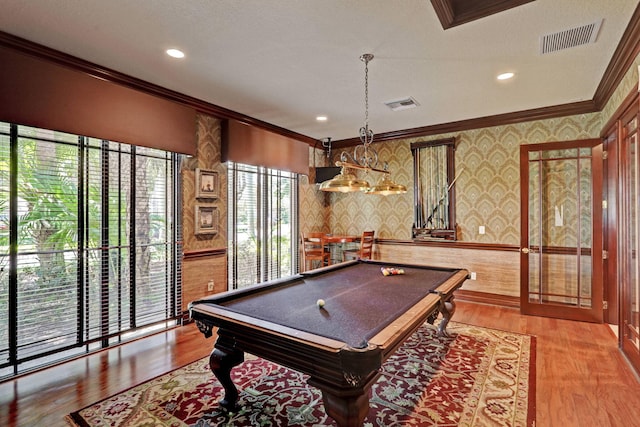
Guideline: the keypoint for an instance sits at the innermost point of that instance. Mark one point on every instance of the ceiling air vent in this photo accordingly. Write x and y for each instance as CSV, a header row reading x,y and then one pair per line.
x,y
402,104
570,38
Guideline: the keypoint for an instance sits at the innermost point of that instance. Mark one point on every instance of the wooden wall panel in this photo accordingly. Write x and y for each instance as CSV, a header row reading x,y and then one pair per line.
x,y
497,271
197,271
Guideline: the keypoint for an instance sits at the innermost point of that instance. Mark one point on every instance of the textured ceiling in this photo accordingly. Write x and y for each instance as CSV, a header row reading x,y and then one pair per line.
x,y
286,61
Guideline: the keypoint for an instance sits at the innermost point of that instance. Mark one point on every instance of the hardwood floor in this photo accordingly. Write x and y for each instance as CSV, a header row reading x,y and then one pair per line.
x,y
582,379
45,397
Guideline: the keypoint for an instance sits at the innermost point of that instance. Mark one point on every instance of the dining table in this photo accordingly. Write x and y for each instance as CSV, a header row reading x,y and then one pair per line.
x,y
337,243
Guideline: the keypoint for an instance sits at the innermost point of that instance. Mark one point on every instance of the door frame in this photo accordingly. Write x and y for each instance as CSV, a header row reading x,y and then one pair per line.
x,y
610,214
595,313
627,257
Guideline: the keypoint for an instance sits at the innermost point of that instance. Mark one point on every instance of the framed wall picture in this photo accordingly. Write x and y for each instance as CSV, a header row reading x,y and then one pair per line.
x,y
207,184
207,219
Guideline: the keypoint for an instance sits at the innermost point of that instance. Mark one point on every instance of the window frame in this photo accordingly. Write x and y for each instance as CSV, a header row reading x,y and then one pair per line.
x,y
86,338
268,254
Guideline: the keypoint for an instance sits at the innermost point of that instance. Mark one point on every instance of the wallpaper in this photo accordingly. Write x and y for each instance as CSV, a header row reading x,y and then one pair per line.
x,y
629,81
487,190
208,156
313,204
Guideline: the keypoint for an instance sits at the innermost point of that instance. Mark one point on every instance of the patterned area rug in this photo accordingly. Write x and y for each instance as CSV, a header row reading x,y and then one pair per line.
x,y
477,377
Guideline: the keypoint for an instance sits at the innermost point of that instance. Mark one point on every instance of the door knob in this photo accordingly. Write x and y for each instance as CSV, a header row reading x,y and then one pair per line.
x,y
524,250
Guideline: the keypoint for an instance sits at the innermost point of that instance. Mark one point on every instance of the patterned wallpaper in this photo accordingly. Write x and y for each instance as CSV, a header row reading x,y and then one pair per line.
x,y
314,204
629,81
389,216
208,156
354,213
487,191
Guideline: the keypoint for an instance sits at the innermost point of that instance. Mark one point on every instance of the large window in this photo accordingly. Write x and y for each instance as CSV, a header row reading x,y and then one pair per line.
x,y
263,224
88,247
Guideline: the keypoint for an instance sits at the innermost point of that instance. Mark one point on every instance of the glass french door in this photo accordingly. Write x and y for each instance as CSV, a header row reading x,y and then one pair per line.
x,y
628,239
561,232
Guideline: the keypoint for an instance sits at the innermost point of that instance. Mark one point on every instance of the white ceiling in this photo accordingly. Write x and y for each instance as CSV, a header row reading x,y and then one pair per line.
x,y
286,61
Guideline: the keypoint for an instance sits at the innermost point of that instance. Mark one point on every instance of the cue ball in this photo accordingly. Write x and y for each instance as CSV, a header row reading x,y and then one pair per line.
x,y
320,303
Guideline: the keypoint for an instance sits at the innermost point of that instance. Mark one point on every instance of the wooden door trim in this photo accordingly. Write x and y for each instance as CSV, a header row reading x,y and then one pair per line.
x,y
524,222
597,244
610,194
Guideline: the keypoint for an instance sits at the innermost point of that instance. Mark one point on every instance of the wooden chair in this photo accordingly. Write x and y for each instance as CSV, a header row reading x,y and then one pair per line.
x,y
314,249
364,251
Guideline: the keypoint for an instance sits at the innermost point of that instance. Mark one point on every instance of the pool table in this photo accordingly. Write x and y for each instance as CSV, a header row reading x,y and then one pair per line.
x,y
341,346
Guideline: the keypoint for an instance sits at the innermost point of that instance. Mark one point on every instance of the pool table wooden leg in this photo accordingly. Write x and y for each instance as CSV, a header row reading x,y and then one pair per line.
x,y
347,405
224,357
447,308
347,411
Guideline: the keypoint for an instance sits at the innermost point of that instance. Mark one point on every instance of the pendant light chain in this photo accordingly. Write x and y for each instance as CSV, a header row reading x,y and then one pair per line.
x,y
366,93
364,157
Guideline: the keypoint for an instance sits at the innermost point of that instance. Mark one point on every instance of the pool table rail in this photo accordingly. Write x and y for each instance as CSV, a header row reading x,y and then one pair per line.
x,y
427,309
309,353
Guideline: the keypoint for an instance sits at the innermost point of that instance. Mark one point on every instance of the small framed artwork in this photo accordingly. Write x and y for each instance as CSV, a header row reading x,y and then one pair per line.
x,y
207,219
207,184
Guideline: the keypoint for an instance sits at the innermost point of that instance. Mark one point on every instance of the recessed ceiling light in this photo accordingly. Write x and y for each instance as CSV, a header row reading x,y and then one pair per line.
x,y
175,53
322,118
505,76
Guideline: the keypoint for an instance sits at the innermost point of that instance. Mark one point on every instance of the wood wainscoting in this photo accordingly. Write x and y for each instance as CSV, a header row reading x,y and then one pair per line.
x,y
496,267
198,269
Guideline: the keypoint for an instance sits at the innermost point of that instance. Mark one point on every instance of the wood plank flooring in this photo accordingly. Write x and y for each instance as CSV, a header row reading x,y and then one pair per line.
x,y
582,378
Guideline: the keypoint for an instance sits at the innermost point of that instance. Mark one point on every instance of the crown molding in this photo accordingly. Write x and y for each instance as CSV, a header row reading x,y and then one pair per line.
x,y
42,52
621,61
582,107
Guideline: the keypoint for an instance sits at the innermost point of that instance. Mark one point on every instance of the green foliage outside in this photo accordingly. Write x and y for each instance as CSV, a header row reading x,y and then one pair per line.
x,y
263,230
48,281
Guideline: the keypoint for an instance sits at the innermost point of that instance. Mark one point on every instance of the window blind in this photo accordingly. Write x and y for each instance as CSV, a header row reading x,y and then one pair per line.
x,y
5,310
263,224
89,247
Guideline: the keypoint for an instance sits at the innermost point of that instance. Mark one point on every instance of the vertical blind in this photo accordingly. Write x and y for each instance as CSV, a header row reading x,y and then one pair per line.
x,y
88,244
46,273
262,224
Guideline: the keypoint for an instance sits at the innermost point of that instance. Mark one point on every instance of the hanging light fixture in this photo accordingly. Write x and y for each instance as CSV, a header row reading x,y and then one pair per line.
x,y
364,157
345,182
386,186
